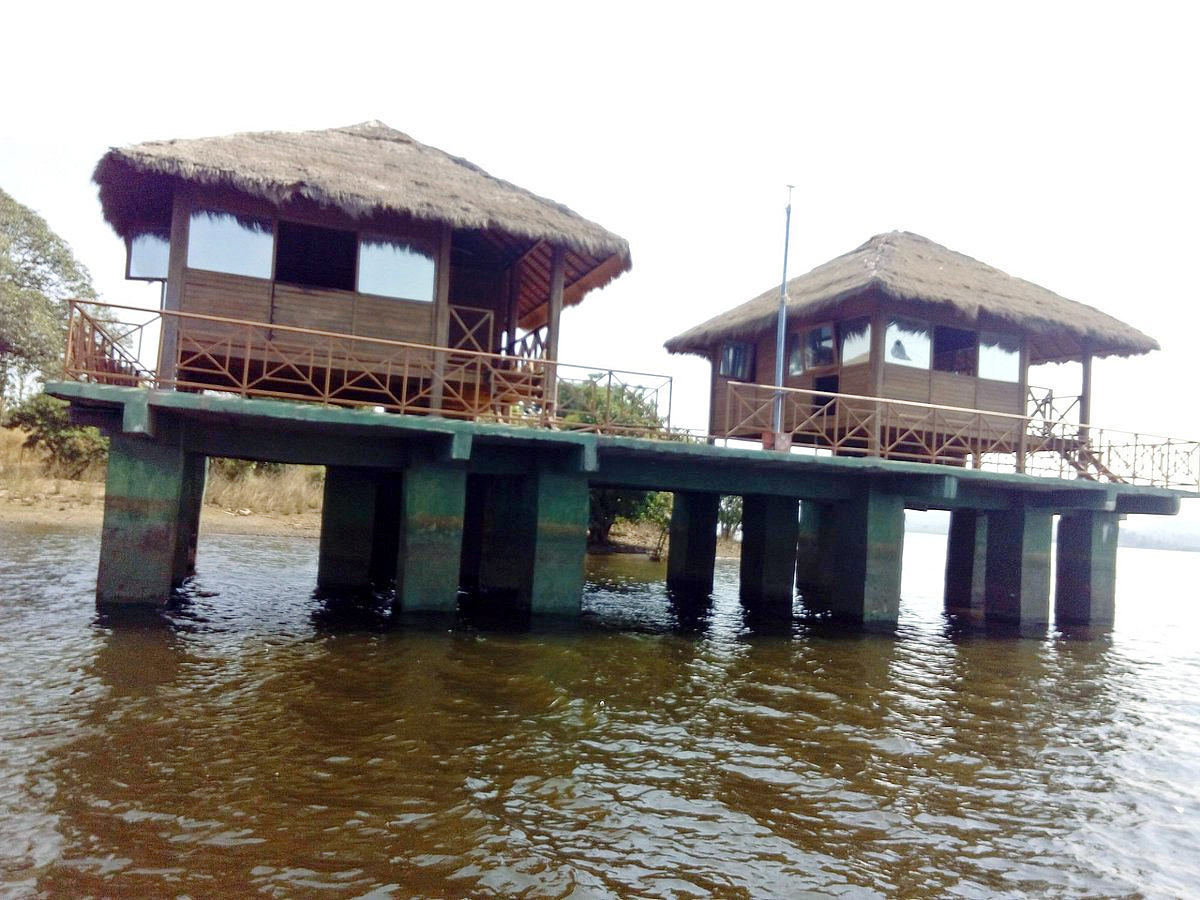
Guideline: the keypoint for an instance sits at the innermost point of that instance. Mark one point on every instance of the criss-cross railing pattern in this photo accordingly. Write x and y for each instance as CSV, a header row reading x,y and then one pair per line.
x,y
257,359
471,328
531,345
849,424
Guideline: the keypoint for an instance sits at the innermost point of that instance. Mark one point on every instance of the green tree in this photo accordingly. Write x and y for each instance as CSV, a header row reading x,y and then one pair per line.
x,y
611,405
729,514
38,275
70,449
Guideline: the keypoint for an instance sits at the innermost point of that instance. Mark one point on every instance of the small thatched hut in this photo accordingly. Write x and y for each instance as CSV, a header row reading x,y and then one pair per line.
x,y
904,318
359,231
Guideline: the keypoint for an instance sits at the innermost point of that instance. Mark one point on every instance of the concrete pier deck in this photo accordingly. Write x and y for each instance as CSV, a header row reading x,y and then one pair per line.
x,y
435,505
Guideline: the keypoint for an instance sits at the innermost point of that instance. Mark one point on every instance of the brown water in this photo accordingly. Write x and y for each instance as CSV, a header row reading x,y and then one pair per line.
x,y
252,744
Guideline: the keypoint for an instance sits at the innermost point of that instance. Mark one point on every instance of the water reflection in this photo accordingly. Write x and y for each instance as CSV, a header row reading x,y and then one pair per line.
x,y
259,740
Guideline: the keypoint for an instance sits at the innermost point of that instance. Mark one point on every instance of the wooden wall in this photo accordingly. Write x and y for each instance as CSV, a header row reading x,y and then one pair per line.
x,y
948,389
343,312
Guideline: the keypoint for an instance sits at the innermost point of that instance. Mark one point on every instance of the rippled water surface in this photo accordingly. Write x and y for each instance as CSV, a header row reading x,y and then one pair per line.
x,y
252,743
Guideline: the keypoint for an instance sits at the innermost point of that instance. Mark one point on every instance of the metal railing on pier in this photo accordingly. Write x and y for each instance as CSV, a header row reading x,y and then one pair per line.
x,y
1048,445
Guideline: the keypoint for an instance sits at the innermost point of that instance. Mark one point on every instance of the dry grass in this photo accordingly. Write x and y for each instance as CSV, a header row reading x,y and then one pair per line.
x,y
24,482
295,490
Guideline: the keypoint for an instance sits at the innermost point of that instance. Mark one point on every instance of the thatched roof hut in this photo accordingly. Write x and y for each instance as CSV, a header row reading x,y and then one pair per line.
x,y
910,269
373,174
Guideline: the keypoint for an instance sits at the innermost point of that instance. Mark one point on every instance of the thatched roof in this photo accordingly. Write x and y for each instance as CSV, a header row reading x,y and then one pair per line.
x,y
365,171
907,267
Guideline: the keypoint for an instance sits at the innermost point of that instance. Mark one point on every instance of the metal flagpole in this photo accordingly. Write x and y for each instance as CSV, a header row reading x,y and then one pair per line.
x,y
781,329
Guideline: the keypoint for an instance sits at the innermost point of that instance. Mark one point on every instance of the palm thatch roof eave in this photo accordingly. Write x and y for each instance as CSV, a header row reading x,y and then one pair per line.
x,y
361,170
901,266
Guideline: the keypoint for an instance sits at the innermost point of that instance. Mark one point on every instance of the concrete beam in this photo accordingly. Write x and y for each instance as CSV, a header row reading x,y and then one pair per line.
x,y
1148,504
679,472
693,547
1086,579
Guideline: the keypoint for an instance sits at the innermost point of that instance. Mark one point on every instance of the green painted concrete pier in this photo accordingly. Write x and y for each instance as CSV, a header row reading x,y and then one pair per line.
x,y
437,506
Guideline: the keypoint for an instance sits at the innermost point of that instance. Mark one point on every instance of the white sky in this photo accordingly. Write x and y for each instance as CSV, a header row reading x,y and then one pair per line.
x,y
1055,141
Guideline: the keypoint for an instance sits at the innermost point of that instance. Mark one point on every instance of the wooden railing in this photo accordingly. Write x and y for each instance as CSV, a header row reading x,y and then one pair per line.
x,y
855,425
258,359
1043,404
471,328
531,345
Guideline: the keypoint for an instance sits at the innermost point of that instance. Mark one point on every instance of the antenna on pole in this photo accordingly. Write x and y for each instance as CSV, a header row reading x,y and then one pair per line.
x,y
781,332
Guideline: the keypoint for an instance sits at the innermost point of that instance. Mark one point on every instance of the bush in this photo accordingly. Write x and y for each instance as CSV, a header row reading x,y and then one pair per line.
x,y
238,469
70,449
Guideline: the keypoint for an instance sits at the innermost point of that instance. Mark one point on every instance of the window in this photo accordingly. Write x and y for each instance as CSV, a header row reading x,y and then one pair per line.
x,y
855,341
393,268
812,349
316,257
999,357
737,361
238,245
906,343
954,350
147,256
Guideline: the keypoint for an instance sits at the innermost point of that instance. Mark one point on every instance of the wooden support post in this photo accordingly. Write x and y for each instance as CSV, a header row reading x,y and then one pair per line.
x,y
966,562
429,553
770,526
441,320
693,547
151,507
815,554
172,298
1085,398
1023,393
1085,587
557,276
1017,572
869,532
511,310
347,529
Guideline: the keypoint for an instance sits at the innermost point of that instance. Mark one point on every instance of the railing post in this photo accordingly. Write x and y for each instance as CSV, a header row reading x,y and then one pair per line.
x,y
1023,443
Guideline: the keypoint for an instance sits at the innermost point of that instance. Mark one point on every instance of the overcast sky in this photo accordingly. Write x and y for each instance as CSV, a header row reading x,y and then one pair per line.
x,y
1055,141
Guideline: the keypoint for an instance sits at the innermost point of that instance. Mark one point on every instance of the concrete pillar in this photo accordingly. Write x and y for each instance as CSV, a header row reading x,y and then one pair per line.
x,y
533,540
1085,589
1017,578
429,552
347,529
966,562
693,547
770,527
815,554
195,474
474,522
869,531
385,535
151,512
560,543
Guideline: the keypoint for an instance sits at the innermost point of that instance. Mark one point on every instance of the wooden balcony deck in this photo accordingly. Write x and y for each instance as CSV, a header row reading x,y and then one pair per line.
x,y
198,352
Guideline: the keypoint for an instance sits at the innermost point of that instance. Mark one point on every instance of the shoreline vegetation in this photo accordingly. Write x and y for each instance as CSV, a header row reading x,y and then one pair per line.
x,y
287,502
